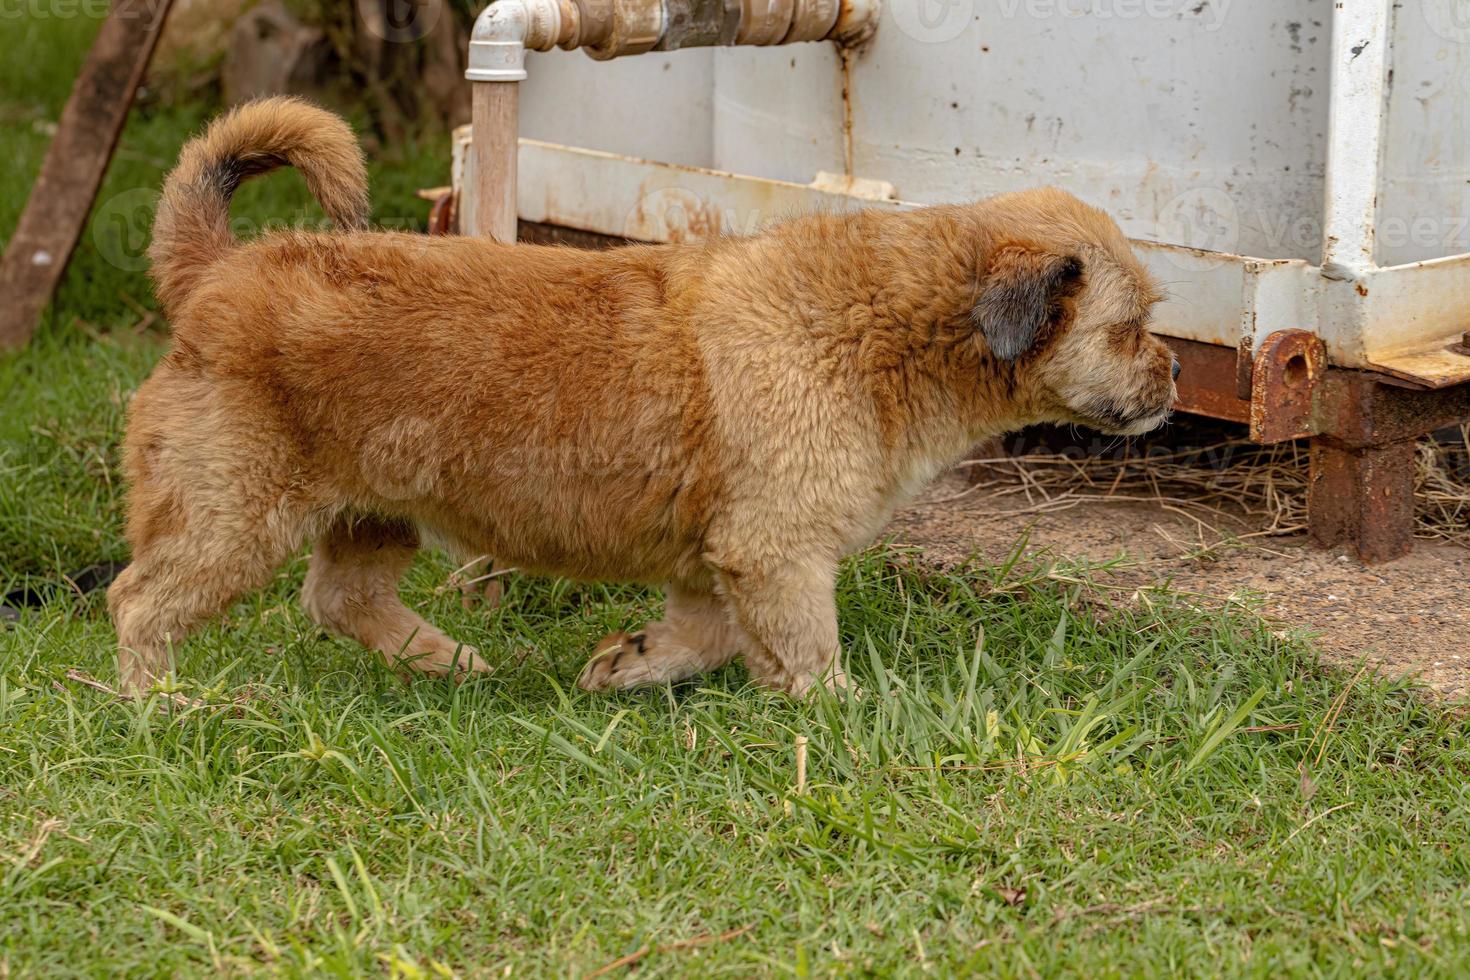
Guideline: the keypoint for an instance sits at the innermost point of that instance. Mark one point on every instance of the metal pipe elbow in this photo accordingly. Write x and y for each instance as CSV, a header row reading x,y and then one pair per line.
x,y
503,33
506,29
857,20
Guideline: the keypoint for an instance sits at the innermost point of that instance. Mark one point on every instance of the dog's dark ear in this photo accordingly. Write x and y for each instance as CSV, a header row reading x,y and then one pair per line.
x,y
1018,295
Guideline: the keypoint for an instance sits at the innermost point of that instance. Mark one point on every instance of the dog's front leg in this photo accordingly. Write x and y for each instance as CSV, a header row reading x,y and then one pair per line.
x,y
789,611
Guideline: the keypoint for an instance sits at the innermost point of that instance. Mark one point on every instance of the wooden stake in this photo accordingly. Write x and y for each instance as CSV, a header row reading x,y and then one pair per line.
x,y
56,212
496,129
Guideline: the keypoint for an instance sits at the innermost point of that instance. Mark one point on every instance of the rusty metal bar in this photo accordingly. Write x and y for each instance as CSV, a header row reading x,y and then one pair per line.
x,y
56,212
1364,498
1207,381
1362,479
1358,409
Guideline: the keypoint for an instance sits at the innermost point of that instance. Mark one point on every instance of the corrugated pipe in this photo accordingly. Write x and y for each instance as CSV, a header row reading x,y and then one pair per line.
x,y
507,29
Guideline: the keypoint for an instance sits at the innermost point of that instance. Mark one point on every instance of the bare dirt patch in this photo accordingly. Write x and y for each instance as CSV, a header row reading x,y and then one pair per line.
x,y
1409,617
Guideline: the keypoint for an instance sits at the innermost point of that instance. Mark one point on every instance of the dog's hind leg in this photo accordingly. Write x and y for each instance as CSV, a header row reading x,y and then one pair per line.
x,y
352,589
697,634
192,557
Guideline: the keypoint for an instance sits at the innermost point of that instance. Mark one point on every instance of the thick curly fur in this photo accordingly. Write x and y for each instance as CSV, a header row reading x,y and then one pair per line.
x,y
726,418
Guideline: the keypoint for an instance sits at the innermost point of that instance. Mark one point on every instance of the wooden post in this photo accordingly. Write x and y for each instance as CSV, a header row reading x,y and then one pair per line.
x,y
62,197
496,132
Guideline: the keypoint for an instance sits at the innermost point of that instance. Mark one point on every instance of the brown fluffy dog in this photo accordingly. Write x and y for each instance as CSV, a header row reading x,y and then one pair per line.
x,y
727,419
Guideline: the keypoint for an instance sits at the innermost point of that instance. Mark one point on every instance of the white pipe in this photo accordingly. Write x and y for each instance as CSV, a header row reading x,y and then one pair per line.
x,y
1358,105
856,22
506,29
497,66
503,32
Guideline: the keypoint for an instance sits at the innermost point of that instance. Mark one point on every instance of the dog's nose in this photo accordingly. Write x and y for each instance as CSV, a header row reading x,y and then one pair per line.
x,y
1176,369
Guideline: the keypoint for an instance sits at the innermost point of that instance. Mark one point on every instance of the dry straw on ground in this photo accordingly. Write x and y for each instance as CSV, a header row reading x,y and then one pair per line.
x,y
1237,487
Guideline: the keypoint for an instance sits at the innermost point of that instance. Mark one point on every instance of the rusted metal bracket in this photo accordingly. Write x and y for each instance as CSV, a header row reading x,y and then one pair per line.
x,y
442,217
1362,485
1363,427
1272,389
86,135
1287,368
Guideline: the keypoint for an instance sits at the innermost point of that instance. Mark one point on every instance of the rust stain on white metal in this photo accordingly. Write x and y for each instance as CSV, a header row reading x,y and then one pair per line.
x,y
845,56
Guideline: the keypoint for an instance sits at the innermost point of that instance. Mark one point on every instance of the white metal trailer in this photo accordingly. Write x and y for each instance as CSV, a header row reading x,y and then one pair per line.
x,y
1289,168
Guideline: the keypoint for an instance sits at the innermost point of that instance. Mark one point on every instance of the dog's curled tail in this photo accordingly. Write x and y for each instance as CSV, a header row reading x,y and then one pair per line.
x,y
192,227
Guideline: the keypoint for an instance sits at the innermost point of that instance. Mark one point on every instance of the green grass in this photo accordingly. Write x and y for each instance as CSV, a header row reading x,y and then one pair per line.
x,y
1043,777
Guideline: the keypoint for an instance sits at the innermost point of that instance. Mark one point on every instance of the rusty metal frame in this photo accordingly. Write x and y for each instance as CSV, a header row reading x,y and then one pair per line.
x,y
1363,428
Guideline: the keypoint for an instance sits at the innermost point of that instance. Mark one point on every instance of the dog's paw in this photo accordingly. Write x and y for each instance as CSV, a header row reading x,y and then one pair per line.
x,y
840,685
620,661
653,655
439,659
